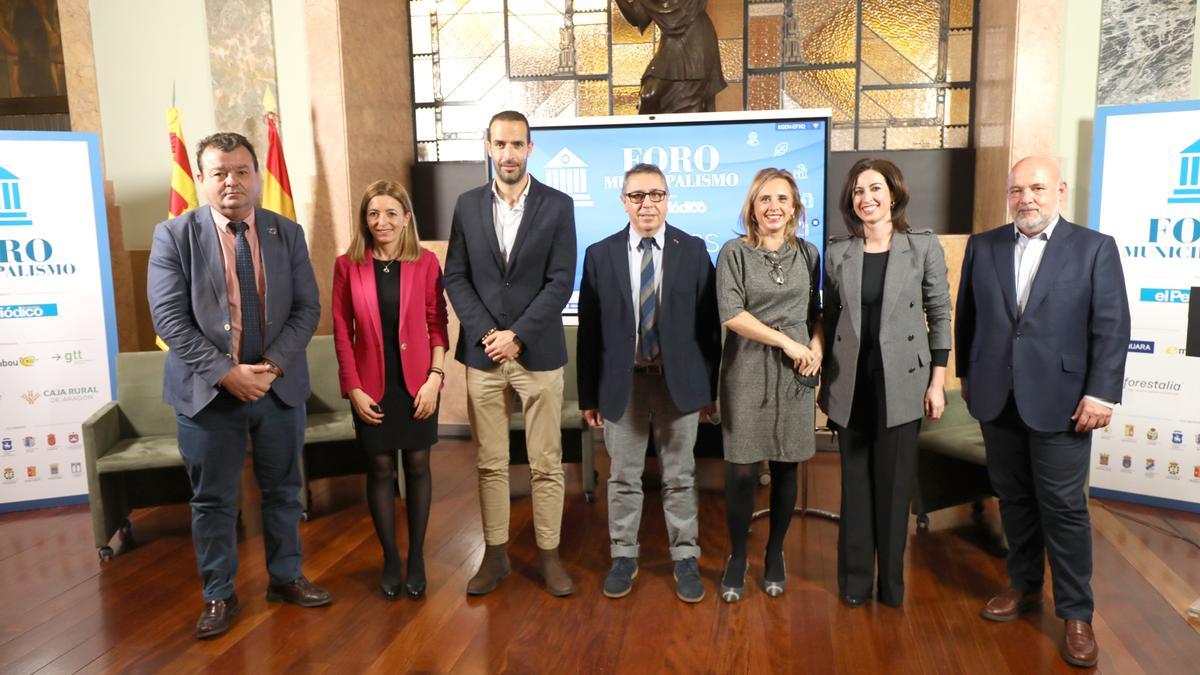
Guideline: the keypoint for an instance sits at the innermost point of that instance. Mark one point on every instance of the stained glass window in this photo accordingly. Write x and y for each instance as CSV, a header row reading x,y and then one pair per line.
x,y
897,74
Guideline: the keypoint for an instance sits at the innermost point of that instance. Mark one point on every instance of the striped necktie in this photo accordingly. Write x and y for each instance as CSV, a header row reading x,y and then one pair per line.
x,y
647,302
252,340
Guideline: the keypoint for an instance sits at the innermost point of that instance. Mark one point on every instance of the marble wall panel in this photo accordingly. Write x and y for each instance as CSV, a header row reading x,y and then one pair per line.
x,y
79,61
1145,51
241,52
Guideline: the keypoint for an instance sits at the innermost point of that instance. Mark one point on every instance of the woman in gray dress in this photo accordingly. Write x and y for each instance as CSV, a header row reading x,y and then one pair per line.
x,y
767,298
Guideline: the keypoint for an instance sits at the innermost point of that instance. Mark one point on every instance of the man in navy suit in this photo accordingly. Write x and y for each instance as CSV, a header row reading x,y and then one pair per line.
x,y
232,293
510,269
649,350
1042,332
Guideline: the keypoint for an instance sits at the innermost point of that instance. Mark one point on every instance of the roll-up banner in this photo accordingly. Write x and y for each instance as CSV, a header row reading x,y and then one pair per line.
x,y
1146,194
58,331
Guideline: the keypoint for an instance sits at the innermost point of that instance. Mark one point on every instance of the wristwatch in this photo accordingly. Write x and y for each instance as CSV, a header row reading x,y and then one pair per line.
x,y
272,368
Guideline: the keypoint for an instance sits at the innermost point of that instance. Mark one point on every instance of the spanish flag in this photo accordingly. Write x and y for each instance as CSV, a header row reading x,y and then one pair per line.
x,y
276,188
183,186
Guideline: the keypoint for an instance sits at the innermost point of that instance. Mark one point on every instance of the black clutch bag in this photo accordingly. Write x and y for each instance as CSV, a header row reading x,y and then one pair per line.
x,y
807,381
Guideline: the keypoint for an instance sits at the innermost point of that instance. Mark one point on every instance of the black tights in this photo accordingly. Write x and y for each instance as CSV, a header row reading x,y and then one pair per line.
x,y
740,480
381,500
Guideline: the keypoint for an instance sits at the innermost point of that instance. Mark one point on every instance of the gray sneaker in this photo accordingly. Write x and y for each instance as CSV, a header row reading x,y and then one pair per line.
x,y
688,586
619,581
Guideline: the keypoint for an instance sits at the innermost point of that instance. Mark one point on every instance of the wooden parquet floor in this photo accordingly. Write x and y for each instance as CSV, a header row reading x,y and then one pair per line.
x,y
61,610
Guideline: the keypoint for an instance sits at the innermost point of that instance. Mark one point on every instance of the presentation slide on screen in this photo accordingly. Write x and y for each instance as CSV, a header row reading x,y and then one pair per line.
x,y
709,161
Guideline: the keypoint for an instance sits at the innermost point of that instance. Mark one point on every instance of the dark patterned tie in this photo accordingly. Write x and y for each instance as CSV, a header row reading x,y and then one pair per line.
x,y
647,301
252,341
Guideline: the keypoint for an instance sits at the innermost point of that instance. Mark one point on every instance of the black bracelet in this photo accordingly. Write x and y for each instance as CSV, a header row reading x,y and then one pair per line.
x,y
441,373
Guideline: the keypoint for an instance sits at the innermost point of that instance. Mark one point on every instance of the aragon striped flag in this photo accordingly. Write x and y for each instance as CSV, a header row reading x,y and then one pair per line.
x,y
182,197
276,188
183,186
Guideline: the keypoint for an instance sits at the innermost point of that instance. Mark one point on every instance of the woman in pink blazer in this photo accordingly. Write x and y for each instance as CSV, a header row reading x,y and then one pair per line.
x,y
389,329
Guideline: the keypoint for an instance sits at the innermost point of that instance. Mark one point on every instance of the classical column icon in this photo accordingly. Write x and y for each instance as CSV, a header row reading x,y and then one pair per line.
x,y
567,173
11,210
1188,191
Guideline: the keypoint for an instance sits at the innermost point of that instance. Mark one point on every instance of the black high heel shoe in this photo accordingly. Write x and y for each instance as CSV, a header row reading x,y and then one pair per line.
x,y
852,602
389,591
414,584
732,594
415,591
775,587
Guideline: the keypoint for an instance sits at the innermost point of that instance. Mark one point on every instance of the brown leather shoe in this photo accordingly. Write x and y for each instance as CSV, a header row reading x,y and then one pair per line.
x,y
492,570
299,591
1010,604
558,582
216,617
1079,644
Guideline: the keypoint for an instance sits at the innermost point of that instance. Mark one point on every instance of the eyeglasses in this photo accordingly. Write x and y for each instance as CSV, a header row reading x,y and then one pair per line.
x,y
776,271
655,196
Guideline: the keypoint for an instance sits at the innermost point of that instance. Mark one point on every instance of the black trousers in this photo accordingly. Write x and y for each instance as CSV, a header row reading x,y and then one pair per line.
x,y
1040,478
878,466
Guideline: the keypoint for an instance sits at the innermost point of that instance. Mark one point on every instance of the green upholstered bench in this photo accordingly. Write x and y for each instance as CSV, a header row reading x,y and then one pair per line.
x,y
576,435
130,453
951,462
329,445
132,458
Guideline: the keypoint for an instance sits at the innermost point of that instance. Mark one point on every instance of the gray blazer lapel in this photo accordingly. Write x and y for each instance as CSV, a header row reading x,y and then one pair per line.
x,y
852,283
487,225
899,268
1002,259
205,232
271,250
619,256
1050,266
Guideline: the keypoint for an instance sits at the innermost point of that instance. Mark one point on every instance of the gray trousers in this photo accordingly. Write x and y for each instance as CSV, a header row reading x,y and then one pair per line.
x,y
650,410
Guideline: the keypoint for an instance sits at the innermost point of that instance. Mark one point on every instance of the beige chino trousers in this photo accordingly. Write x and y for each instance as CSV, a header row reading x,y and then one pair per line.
x,y
489,407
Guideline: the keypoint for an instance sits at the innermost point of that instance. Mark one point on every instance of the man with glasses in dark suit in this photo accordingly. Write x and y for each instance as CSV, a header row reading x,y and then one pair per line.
x,y
649,350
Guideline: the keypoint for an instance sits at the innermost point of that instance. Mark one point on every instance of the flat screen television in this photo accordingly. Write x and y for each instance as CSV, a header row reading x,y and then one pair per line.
x,y
709,160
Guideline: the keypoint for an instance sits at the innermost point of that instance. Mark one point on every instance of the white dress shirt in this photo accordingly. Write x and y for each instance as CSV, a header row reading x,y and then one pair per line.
x,y
1027,256
508,218
635,274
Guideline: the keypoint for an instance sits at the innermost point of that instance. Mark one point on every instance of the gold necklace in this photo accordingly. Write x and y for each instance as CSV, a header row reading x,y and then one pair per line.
x,y
387,267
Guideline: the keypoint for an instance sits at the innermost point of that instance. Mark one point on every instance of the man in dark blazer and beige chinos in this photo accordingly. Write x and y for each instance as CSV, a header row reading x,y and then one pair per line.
x,y
510,270
1042,333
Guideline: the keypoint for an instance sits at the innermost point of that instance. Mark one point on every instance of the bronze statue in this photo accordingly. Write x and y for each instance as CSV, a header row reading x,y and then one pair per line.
x,y
685,73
